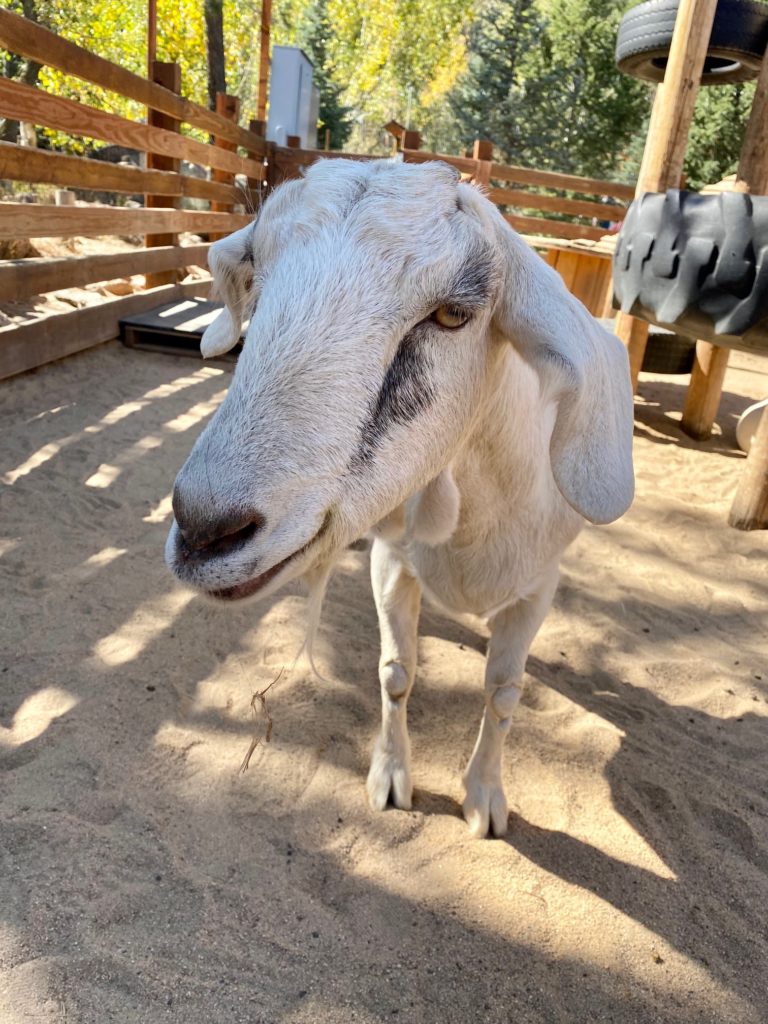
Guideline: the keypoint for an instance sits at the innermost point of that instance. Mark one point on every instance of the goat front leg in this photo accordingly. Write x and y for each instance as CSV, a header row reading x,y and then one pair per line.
x,y
512,633
398,595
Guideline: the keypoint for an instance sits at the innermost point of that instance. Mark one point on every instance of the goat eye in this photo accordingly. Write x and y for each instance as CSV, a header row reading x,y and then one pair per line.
x,y
450,317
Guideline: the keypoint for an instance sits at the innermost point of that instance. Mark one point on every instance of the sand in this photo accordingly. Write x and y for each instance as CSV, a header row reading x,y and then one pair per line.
x,y
143,879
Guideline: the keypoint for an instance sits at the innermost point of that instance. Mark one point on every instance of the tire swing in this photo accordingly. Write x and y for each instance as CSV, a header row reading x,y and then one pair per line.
x,y
697,264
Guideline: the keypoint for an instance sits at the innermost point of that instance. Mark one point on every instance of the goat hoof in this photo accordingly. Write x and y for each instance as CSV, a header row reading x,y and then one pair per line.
x,y
389,779
485,809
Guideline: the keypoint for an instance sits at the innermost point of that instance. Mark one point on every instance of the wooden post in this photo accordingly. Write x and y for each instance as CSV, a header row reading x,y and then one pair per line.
x,y
411,140
293,141
255,187
482,151
662,165
703,396
266,18
169,76
750,505
229,107
706,387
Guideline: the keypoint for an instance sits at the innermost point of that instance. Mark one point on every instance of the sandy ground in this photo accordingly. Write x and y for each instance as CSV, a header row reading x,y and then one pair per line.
x,y
143,879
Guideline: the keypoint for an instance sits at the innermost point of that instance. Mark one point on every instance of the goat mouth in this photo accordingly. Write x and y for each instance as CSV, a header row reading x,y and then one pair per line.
x,y
252,586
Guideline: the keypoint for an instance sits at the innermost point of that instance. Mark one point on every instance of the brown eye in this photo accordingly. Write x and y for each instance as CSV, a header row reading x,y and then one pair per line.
x,y
450,317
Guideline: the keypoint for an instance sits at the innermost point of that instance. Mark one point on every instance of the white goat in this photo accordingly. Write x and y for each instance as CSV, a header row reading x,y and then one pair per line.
x,y
413,368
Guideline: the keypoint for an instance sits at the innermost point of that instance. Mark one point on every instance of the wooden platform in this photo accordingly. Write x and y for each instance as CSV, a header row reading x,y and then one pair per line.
x,y
175,328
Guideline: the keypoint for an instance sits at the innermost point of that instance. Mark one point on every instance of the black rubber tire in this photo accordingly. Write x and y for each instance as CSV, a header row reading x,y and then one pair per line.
x,y
736,47
683,253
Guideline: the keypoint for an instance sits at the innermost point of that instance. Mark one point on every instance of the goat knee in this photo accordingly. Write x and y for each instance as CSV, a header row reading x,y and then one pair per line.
x,y
504,700
394,680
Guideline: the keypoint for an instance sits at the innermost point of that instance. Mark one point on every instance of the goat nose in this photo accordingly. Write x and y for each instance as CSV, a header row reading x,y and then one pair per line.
x,y
215,531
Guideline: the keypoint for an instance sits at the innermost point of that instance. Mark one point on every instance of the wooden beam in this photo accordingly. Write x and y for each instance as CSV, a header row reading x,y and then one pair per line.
x,y
573,207
567,182
702,398
26,103
26,346
557,228
21,163
29,39
20,278
704,392
750,505
264,32
30,220
671,117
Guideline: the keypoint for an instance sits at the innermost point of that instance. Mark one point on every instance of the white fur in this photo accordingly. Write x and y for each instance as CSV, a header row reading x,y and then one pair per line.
x,y
475,465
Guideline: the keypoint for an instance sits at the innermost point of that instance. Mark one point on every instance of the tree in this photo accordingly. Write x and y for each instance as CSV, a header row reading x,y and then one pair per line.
x,y
214,44
21,69
542,83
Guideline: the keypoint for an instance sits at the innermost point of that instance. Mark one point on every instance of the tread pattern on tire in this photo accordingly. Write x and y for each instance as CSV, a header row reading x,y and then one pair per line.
x,y
682,251
739,35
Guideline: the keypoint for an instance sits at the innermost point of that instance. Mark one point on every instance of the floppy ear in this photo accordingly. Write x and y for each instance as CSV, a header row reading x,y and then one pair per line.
x,y
585,369
231,263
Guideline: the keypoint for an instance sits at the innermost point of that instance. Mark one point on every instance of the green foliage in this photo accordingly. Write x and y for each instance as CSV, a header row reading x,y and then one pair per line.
x,y
536,76
542,83
717,133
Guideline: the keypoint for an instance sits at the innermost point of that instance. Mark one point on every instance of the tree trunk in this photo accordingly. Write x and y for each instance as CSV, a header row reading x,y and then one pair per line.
x,y
9,128
214,36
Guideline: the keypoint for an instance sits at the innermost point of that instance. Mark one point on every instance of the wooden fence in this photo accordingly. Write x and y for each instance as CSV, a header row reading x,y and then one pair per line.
x,y
234,151
579,205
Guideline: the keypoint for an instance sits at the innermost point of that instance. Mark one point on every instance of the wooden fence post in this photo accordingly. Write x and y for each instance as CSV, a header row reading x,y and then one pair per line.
x,y
671,117
229,107
255,186
411,140
169,76
482,151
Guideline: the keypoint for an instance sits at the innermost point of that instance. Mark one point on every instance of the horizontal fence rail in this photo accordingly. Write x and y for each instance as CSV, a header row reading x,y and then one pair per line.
x,y
28,39
228,187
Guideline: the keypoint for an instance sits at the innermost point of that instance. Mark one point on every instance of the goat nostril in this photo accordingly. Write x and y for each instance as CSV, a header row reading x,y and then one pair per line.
x,y
211,540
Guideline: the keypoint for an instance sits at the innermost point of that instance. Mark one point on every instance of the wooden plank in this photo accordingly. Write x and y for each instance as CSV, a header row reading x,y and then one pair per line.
x,y
556,204
558,228
20,163
566,267
569,182
29,39
417,156
26,103
20,278
30,220
26,346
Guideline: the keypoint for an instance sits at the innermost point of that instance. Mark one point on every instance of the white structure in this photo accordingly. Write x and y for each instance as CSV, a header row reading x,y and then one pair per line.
x,y
293,99
412,368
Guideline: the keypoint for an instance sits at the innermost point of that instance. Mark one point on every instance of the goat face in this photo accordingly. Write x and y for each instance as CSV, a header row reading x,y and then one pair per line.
x,y
370,287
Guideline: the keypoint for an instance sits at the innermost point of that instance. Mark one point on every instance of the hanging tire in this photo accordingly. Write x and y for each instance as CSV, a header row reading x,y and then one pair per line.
x,y
736,47
682,256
